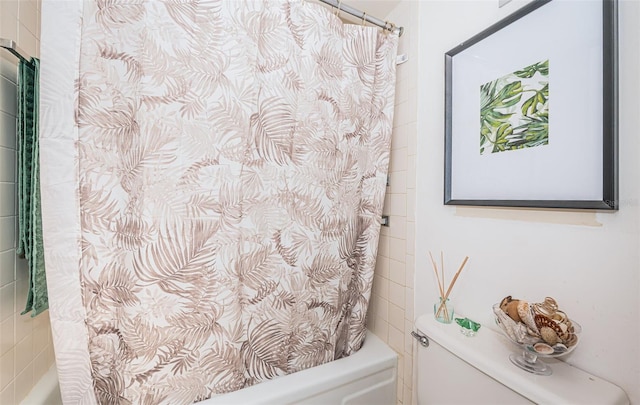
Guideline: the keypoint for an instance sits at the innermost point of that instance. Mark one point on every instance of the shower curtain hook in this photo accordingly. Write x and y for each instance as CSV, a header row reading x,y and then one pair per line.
x,y
364,18
389,26
338,8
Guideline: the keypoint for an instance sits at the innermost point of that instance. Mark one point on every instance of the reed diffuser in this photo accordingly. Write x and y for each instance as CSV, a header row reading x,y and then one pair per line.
x,y
443,309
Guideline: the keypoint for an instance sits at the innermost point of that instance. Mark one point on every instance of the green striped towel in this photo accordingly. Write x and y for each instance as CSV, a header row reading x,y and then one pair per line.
x,y
29,214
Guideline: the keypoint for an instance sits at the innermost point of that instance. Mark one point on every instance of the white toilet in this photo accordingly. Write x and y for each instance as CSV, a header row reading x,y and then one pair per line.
x,y
455,369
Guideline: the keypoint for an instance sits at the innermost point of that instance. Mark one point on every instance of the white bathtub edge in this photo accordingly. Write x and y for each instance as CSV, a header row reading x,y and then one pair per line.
x,y
375,357
46,391
375,364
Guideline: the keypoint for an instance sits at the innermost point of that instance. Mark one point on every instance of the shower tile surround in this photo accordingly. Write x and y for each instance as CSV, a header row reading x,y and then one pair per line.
x,y
26,352
390,314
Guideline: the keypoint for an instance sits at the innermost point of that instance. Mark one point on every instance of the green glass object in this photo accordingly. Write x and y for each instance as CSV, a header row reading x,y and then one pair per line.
x,y
467,326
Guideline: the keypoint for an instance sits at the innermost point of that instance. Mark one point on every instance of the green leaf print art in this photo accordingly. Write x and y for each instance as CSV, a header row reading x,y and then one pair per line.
x,y
514,110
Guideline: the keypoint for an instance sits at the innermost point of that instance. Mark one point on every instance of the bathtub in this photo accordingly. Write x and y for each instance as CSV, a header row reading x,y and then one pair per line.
x,y
365,377
46,391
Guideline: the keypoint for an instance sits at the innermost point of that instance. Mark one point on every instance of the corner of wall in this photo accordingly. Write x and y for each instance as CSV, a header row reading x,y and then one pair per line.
x,y
390,314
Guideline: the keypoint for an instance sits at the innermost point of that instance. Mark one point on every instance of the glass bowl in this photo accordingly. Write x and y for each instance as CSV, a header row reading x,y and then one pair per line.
x,y
533,347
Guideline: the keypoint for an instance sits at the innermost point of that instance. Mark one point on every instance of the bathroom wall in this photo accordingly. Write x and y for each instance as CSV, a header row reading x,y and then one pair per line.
x,y
391,307
588,261
26,352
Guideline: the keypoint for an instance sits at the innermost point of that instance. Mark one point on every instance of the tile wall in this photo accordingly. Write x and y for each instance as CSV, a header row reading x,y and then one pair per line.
x,y
391,307
26,352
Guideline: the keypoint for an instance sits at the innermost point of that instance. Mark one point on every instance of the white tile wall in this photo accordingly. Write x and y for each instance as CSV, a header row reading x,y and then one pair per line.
x,y
8,128
391,310
26,352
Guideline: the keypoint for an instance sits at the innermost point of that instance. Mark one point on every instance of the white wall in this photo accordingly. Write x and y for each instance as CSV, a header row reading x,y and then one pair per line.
x,y
390,314
588,261
25,343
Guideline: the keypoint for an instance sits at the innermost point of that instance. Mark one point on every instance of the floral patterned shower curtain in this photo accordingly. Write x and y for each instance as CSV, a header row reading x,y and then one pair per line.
x,y
212,192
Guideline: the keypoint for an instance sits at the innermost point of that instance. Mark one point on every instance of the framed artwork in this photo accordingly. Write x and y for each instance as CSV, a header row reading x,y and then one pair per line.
x,y
531,110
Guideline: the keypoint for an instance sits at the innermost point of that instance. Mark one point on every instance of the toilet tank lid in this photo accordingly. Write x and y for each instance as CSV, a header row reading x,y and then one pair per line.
x,y
489,352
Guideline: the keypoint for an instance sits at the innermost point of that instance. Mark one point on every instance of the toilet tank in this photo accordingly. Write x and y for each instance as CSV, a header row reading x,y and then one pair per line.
x,y
455,369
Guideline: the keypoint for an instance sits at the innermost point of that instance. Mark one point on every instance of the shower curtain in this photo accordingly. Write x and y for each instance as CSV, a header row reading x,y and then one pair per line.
x,y
213,175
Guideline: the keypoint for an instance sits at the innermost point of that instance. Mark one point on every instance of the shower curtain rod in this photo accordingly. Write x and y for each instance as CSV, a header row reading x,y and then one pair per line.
x,y
364,16
10,45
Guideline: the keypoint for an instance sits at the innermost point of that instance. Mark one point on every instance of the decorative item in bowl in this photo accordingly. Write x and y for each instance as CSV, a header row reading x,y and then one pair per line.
x,y
540,330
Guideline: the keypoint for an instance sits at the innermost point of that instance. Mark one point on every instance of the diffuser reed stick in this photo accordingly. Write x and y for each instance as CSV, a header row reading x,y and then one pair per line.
x,y
440,282
444,296
435,270
442,270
